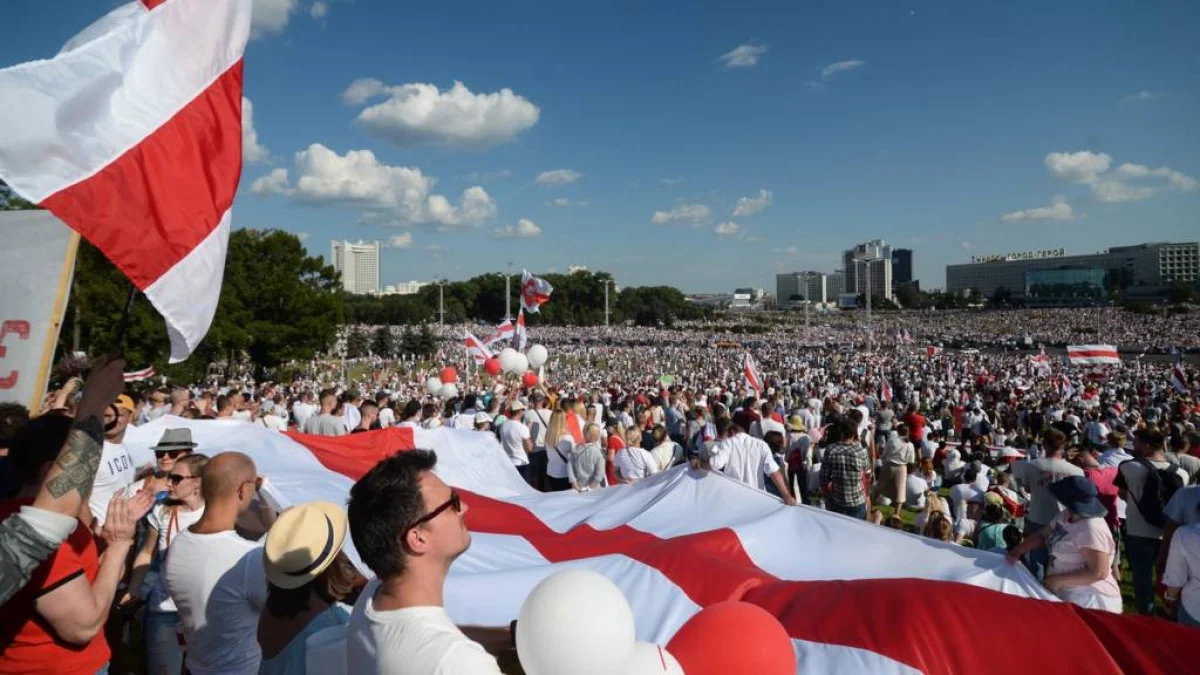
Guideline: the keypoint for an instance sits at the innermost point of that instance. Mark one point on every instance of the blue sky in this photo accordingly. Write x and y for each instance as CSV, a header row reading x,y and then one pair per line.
x,y
708,145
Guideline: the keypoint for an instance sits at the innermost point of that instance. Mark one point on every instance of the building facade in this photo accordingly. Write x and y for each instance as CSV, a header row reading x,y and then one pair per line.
x,y
1141,270
902,266
404,288
808,286
871,259
358,263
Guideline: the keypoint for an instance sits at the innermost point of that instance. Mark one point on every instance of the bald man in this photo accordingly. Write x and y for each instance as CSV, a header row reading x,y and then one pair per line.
x,y
216,577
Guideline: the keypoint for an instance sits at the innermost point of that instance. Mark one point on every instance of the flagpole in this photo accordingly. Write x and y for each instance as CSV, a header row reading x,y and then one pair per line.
x,y
123,322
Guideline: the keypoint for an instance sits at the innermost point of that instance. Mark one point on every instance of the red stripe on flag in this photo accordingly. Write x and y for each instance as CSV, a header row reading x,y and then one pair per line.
x,y
930,625
151,4
152,205
1091,353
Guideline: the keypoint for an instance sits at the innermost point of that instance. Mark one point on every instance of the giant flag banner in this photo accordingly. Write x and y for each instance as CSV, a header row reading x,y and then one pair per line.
x,y
37,262
1092,355
534,292
854,597
132,136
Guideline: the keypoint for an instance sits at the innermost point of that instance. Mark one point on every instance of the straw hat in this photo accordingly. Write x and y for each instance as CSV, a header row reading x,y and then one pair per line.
x,y
302,543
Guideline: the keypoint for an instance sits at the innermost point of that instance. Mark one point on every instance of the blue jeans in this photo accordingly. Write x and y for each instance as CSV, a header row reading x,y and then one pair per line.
x,y
1143,554
163,656
859,512
1037,560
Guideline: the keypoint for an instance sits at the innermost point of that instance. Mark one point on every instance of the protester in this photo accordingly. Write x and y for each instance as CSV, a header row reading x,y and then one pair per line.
x,y
408,527
1036,476
1181,576
747,460
516,440
560,445
116,471
325,422
843,467
585,470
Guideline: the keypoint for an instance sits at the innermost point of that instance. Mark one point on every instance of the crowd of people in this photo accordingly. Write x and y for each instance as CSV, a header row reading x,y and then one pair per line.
x,y
1073,471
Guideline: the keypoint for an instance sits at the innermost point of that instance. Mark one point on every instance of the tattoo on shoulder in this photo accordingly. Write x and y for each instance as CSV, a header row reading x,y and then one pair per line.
x,y
79,459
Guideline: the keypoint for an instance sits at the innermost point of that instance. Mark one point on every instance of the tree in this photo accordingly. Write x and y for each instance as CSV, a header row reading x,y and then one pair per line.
x,y
382,344
1002,297
975,297
357,344
425,344
1181,292
909,296
10,201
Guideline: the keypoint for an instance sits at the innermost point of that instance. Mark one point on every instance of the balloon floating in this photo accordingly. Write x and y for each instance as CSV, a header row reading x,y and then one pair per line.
x,y
492,366
537,355
448,375
449,391
577,622
520,364
508,360
433,385
766,647
529,379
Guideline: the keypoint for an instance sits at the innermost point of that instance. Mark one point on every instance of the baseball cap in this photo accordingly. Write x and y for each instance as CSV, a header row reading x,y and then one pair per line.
x,y
123,401
483,418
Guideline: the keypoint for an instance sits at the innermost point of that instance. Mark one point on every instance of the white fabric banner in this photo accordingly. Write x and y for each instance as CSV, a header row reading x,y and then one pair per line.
x,y
37,262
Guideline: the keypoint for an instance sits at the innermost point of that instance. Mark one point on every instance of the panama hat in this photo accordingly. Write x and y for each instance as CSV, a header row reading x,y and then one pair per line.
x,y
302,543
175,439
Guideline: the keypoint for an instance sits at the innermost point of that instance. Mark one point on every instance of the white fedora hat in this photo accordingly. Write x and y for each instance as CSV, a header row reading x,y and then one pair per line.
x,y
302,543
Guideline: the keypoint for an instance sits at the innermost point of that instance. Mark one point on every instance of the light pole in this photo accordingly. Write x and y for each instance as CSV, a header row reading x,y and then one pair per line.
x,y
508,295
441,301
606,312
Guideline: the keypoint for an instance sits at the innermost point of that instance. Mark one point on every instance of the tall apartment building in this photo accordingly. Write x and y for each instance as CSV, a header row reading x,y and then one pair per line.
x,y
872,257
358,264
902,266
810,286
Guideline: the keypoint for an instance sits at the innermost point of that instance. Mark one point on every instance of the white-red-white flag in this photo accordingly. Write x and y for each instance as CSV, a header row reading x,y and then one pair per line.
x,y
1041,363
885,390
1068,389
503,332
1092,355
132,136
139,375
476,350
1179,379
519,335
932,351
534,292
753,375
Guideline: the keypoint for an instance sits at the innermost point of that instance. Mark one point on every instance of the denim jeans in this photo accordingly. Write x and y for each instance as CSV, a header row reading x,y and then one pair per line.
x,y
163,655
859,512
1143,554
1037,560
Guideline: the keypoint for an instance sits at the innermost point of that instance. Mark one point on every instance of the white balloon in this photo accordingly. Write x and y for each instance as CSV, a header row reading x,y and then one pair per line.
x,y
575,621
650,659
508,360
433,385
537,355
520,363
449,391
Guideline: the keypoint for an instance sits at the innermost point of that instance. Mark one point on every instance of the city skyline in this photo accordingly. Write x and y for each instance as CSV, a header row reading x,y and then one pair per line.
x,y
759,138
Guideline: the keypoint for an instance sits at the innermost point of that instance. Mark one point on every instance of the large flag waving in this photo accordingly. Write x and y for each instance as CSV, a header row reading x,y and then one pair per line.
x,y
476,349
753,375
534,292
685,539
503,332
132,136
1092,355
1179,378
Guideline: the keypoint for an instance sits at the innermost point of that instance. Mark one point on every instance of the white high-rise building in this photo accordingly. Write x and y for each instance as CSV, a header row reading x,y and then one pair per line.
x,y
872,258
809,286
358,265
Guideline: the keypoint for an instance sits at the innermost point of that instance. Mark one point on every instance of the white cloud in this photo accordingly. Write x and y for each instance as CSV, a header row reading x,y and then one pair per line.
x,y
1059,210
683,213
251,150
1116,191
563,202
270,16
318,10
402,240
274,183
302,236
1175,179
397,194
525,229
743,56
676,180
748,206
1077,167
727,229
557,177
1143,95
487,176
417,113
839,67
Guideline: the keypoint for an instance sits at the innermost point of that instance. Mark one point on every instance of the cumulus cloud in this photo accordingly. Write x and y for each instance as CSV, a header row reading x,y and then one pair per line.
x,y
727,229
418,113
1143,95
748,206
251,150
524,229
487,176
398,194
557,177
270,16
274,183
318,10
840,67
1059,210
743,56
691,214
1126,183
402,240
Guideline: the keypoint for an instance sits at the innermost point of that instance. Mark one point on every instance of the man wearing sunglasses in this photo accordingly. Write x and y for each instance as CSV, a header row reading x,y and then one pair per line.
x,y
116,471
408,526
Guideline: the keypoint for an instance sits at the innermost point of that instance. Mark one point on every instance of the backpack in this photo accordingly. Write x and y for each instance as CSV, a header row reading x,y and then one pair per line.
x,y
1160,486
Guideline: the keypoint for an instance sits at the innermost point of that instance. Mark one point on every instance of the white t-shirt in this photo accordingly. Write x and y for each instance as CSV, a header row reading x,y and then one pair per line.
x,y
218,583
168,529
745,459
410,641
1136,476
116,472
537,420
301,411
556,467
635,463
513,435
915,489
273,422
1183,567
386,417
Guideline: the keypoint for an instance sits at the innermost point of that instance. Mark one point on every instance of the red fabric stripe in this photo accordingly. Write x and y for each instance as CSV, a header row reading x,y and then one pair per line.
x,y
151,4
152,205
1090,353
933,626
353,455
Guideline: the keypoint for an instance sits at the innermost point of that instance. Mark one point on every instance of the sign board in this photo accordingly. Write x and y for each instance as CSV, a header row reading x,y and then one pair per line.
x,y
37,262
1025,255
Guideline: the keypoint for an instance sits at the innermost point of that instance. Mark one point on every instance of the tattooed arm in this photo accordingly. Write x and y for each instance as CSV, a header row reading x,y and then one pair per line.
x,y
69,482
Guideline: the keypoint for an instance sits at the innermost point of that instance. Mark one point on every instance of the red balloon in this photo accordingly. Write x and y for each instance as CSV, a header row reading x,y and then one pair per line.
x,y
702,644
449,375
492,366
529,379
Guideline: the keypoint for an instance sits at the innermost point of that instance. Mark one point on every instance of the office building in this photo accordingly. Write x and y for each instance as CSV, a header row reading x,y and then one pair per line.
x,y
358,263
807,286
873,258
404,288
902,266
835,285
1141,270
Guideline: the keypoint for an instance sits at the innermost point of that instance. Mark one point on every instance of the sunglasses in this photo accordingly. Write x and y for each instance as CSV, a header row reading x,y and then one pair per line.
x,y
176,479
173,454
453,503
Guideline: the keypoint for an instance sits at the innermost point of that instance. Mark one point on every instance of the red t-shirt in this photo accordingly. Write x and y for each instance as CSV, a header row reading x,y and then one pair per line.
x,y
610,468
28,643
916,426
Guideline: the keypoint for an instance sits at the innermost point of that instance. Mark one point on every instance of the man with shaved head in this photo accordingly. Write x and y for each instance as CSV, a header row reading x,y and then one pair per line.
x,y
215,577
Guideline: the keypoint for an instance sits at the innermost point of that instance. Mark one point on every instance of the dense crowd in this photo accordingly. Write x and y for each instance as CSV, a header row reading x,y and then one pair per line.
x,y
1074,471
